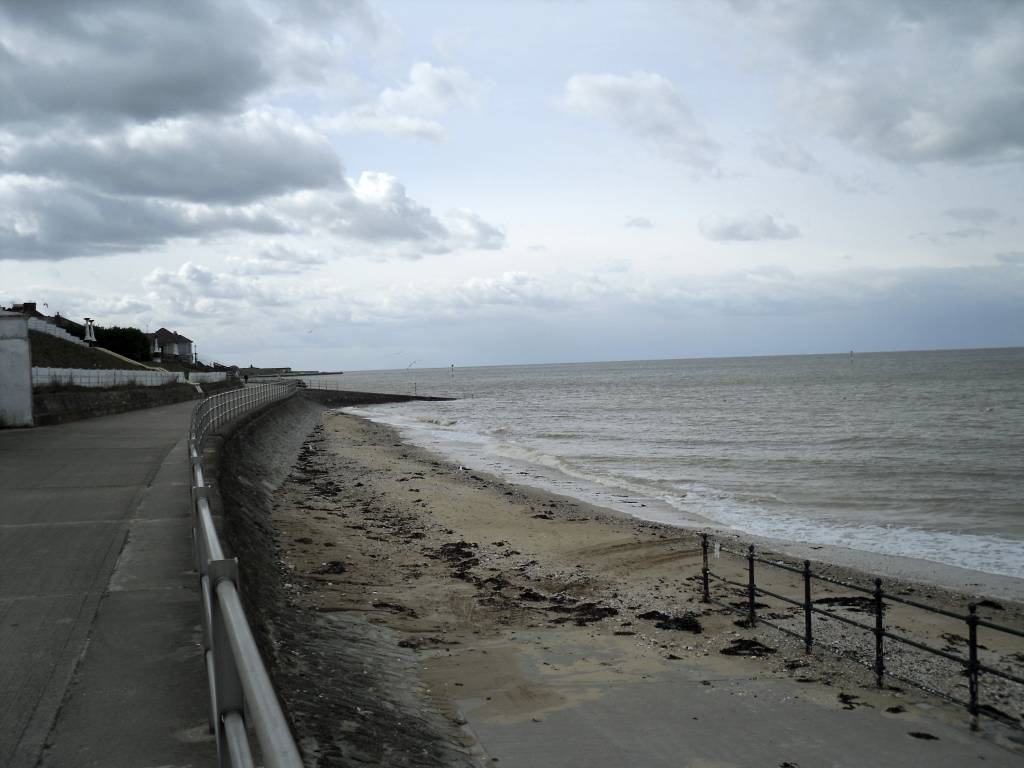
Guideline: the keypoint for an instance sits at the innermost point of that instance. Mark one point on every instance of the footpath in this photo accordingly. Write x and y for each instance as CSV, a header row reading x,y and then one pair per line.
x,y
99,608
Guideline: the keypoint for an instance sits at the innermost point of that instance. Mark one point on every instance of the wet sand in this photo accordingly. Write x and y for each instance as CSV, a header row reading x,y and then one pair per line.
x,y
481,580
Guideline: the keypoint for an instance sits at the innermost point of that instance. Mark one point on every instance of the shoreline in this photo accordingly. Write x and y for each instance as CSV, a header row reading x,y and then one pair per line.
x,y
482,581
971,582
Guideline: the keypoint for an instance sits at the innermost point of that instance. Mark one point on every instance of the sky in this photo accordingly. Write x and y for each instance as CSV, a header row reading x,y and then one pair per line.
x,y
356,184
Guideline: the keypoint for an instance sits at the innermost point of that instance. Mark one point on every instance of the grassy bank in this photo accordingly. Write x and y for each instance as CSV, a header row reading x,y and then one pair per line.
x,y
51,352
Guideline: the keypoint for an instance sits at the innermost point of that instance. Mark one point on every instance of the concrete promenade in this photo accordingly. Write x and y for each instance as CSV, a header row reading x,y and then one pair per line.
x,y
99,611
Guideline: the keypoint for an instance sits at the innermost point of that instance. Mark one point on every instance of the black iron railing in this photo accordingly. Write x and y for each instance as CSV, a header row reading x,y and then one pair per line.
x,y
973,667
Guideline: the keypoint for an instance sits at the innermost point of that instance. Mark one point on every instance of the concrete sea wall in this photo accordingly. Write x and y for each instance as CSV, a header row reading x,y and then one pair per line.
x,y
329,669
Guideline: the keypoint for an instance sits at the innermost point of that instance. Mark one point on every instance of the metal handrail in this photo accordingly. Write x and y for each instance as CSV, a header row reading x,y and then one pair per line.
x,y
241,691
974,668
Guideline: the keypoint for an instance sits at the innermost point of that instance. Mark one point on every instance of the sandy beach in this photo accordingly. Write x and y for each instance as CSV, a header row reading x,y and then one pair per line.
x,y
483,580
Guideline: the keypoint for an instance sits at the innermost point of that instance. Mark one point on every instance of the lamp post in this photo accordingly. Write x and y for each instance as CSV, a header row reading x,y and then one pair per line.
x,y
90,333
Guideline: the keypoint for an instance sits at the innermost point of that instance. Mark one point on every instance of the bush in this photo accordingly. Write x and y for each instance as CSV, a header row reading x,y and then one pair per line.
x,y
130,342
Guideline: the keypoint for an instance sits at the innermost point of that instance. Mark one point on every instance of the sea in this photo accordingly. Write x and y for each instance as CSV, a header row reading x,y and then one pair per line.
x,y
912,454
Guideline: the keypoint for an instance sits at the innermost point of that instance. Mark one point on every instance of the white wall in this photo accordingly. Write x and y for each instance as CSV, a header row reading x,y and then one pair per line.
x,y
35,324
207,377
83,377
15,371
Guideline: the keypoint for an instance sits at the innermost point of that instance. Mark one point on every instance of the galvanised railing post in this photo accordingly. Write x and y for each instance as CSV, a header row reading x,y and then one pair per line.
x,y
879,635
706,593
228,695
751,588
972,664
808,637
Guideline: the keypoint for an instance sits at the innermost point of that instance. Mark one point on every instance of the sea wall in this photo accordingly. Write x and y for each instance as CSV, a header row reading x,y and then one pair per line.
x,y
337,398
330,670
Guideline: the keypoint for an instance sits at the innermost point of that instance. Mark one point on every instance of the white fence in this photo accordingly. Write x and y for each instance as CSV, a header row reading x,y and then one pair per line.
x,y
83,377
207,377
35,324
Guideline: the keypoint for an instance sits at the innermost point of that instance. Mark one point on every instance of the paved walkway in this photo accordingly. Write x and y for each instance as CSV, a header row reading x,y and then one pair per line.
x,y
99,612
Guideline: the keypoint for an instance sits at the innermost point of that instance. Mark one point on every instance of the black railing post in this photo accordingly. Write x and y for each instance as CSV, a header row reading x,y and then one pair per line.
x,y
972,665
808,637
751,588
879,634
706,596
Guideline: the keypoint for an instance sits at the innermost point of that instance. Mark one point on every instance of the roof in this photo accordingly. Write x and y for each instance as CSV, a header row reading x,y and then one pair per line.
x,y
163,336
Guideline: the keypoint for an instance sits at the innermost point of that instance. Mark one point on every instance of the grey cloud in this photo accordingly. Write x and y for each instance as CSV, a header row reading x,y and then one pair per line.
x,y
788,154
254,155
751,227
966,233
912,81
42,220
141,60
275,259
470,230
410,109
977,222
381,210
785,153
648,106
639,222
977,216
1011,257
194,290
317,13
377,210
757,311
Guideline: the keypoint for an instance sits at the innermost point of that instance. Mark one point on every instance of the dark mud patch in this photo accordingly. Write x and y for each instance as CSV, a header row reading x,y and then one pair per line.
x,y
331,567
584,613
687,622
747,647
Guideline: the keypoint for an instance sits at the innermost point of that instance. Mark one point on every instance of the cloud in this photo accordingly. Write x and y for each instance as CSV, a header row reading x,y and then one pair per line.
x,y
647,106
274,259
471,231
978,216
1011,257
476,297
194,289
318,14
786,153
751,227
976,222
557,316
410,110
126,126
639,222
383,211
138,61
909,81
47,220
965,233
376,209
238,160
